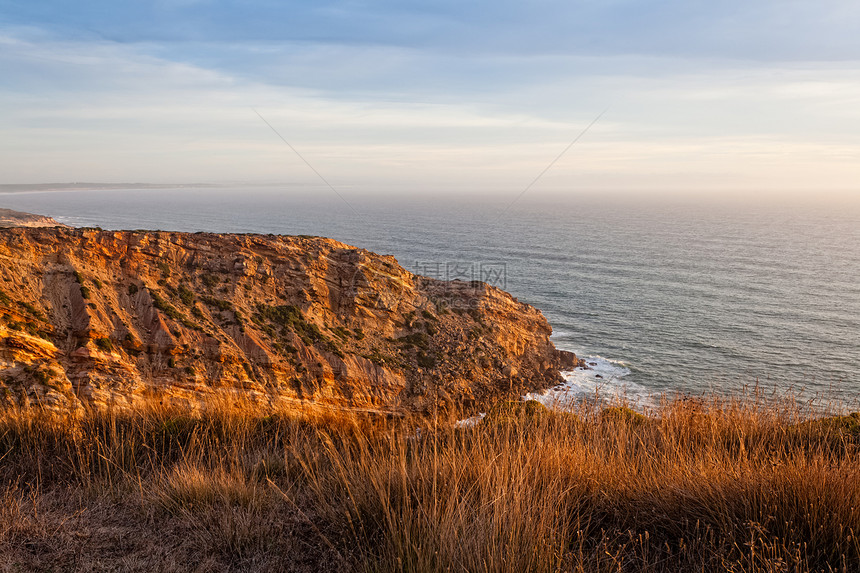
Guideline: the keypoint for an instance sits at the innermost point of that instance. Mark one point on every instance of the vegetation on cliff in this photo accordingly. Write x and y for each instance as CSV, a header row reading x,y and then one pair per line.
x,y
98,318
700,485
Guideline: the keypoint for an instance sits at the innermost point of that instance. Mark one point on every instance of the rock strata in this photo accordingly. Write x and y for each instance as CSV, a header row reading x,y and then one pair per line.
x,y
92,318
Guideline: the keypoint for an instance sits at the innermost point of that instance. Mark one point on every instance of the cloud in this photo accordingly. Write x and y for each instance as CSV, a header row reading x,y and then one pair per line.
x,y
764,30
404,115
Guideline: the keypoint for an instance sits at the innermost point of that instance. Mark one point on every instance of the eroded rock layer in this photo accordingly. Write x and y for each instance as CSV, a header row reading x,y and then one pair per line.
x,y
96,318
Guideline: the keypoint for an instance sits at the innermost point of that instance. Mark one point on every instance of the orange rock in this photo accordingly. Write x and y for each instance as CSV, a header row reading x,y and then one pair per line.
x,y
289,319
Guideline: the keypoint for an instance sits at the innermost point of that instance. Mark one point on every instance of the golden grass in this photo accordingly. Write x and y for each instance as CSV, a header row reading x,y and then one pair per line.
x,y
702,485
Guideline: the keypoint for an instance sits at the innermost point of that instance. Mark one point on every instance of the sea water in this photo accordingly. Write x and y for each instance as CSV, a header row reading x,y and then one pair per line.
x,y
661,296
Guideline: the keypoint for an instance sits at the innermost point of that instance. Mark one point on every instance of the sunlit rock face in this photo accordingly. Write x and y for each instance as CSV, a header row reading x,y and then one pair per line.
x,y
92,318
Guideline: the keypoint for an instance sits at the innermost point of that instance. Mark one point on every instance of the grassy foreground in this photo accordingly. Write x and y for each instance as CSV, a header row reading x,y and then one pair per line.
x,y
714,485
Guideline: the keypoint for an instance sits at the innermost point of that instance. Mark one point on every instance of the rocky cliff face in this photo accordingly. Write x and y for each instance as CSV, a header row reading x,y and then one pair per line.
x,y
95,318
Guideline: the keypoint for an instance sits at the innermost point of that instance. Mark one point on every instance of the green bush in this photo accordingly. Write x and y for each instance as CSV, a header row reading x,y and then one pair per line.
x,y
32,310
289,316
210,280
846,425
417,339
104,344
185,295
165,307
341,332
516,410
217,303
625,414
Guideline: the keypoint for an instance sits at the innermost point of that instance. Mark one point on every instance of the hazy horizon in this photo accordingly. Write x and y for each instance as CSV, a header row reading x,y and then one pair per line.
x,y
735,98
499,197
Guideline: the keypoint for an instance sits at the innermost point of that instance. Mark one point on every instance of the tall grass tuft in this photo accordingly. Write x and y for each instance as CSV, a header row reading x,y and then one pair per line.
x,y
745,484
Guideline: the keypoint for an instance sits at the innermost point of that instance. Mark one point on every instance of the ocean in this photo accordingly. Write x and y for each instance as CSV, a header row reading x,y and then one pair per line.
x,y
661,296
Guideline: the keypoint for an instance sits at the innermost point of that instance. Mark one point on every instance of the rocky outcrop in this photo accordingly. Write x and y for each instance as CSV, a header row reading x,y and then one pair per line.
x,y
10,218
93,318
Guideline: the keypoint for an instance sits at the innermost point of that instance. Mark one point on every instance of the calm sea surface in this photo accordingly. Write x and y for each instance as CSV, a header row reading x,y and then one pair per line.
x,y
662,296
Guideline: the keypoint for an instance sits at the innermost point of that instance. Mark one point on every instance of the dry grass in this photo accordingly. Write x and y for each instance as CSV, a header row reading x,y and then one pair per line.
x,y
719,485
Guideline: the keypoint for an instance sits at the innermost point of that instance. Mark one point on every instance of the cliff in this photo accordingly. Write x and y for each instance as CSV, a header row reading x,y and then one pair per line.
x,y
95,318
10,218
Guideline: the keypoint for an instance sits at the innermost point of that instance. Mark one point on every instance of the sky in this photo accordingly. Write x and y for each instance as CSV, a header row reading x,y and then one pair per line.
x,y
729,97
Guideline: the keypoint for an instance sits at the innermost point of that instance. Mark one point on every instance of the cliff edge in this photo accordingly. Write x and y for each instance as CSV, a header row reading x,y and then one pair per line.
x,y
91,318
10,218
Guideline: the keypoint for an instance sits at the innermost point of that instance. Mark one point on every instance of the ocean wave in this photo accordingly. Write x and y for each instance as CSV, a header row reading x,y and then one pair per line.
x,y
604,379
69,220
556,334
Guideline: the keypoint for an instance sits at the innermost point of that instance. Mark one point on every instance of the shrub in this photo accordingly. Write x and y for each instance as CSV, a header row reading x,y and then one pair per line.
x,y
341,332
210,280
185,295
515,411
168,309
32,310
289,316
217,303
624,414
104,344
417,339
848,425
40,376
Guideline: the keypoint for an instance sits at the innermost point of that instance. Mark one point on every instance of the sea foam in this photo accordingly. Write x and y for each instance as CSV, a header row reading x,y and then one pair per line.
x,y
604,379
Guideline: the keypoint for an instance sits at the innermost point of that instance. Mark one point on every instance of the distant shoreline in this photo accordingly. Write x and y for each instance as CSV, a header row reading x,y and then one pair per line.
x,y
31,187
11,218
